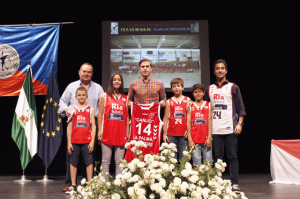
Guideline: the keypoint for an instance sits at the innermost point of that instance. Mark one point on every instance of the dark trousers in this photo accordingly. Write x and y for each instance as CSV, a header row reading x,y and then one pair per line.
x,y
68,175
230,142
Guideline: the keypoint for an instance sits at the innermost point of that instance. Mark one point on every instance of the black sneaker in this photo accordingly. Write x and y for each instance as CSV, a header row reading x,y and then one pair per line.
x,y
236,189
71,189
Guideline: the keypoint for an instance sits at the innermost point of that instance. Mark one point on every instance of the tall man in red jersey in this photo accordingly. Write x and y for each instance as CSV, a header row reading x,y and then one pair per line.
x,y
146,90
228,117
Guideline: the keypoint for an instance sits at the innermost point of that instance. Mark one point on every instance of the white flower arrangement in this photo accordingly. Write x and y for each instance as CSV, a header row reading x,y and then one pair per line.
x,y
160,176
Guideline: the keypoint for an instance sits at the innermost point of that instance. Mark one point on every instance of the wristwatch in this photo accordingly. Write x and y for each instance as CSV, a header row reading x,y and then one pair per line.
x,y
241,123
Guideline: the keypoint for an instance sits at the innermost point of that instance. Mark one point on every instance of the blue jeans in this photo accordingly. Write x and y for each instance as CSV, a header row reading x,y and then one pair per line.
x,y
207,154
181,144
230,142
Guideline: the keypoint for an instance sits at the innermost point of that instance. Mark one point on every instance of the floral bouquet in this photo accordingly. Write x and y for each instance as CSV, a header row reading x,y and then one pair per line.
x,y
160,176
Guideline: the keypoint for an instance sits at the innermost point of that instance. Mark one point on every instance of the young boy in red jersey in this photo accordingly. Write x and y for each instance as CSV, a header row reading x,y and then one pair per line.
x,y
199,126
81,136
175,118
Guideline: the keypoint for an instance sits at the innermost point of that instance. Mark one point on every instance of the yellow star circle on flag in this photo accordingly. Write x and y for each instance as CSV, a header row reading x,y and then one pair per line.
x,y
51,100
48,134
55,104
53,133
42,124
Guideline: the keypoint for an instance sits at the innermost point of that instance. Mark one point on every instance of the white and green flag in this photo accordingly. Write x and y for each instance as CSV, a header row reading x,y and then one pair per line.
x,y
24,128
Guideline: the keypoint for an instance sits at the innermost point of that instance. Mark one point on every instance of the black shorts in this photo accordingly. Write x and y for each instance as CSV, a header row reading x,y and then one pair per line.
x,y
87,157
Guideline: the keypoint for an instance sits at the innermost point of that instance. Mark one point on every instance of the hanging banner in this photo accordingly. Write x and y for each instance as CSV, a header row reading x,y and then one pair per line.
x,y
18,45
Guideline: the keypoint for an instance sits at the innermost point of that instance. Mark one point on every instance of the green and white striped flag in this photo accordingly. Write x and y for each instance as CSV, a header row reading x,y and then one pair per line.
x,y
24,127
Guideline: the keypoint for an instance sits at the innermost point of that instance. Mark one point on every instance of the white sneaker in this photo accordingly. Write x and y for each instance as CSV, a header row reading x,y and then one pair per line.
x,y
236,188
71,189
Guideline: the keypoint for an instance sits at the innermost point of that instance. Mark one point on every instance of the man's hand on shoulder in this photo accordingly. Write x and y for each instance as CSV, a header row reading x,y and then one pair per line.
x,y
68,113
162,103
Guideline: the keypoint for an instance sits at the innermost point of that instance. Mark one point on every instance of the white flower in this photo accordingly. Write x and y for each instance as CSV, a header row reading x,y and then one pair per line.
x,y
132,142
83,181
115,196
141,164
214,197
194,178
157,176
155,164
173,160
186,153
117,182
172,155
201,183
108,184
185,173
188,166
162,182
151,196
162,158
183,197
165,151
127,145
130,191
126,175
164,146
135,178
133,149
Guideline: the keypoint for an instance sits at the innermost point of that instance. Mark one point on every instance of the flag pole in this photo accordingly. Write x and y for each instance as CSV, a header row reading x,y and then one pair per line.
x,y
45,177
38,24
23,177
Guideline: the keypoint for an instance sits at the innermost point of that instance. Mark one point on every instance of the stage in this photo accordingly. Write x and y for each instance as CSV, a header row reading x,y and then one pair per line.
x,y
253,185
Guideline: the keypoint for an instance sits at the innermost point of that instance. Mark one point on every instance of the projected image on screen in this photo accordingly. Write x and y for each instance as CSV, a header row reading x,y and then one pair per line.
x,y
171,56
174,49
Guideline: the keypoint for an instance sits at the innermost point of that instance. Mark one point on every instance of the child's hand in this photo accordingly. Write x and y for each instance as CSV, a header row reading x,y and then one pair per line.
x,y
185,135
70,149
100,133
208,142
166,139
91,147
191,143
188,105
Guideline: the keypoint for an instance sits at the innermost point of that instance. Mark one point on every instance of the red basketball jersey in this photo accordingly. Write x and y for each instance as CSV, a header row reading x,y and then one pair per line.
x,y
199,122
81,129
177,117
114,120
145,126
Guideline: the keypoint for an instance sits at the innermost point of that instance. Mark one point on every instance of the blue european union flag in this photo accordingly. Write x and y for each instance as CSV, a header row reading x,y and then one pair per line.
x,y
50,134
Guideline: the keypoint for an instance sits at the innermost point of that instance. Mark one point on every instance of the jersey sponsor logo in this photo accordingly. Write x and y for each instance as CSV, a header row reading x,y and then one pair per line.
x,y
80,118
81,125
178,116
151,115
178,108
171,103
87,110
116,117
218,97
199,122
184,101
199,115
116,106
206,107
123,99
220,107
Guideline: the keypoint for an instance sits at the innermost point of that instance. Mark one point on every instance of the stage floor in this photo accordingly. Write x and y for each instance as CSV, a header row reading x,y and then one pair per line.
x,y
253,185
